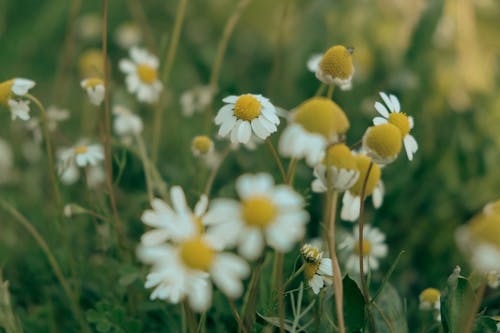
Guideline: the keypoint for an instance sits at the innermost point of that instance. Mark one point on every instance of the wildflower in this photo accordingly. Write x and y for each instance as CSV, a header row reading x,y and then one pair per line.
x,y
202,145
128,35
266,214
372,249
335,67
183,258
391,113
126,124
430,299
382,143
315,123
90,63
53,116
142,75
196,100
6,162
247,114
81,155
351,201
318,270
338,170
480,239
95,89
10,91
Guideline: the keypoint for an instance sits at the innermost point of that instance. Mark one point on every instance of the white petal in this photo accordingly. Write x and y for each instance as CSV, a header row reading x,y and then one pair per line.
x,y
387,101
178,199
378,195
223,114
411,146
22,86
127,66
244,132
259,129
251,244
381,109
395,103
200,295
230,99
379,121
350,207
201,206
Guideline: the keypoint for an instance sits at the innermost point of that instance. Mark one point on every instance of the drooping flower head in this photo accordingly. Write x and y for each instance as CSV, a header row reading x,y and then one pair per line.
x,y
266,214
430,300
315,123
142,75
382,143
338,170
95,89
335,67
317,270
11,92
391,113
247,115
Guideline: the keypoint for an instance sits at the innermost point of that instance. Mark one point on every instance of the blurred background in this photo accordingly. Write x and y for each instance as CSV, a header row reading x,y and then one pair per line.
x,y
440,57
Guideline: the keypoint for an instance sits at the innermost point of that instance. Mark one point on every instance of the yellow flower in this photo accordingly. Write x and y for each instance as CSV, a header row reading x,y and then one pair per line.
x,y
336,67
382,143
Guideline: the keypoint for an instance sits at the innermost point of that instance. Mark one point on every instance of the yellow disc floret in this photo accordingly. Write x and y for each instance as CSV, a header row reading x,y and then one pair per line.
x,y
147,74
6,91
197,254
258,211
310,269
311,254
363,163
90,63
363,250
340,156
202,144
92,82
80,149
337,62
430,295
384,140
401,121
247,107
322,116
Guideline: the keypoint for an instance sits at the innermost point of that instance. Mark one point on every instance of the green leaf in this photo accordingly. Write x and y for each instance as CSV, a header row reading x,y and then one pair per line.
x,y
354,306
485,324
456,302
389,311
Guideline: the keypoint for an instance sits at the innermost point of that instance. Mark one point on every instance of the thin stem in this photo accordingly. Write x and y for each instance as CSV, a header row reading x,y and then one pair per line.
x,y
106,131
291,171
331,88
144,158
221,48
52,261
475,307
167,69
137,11
293,276
384,317
49,151
276,158
251,297
241,326
332,197
281,291
364,286
320,90
215,170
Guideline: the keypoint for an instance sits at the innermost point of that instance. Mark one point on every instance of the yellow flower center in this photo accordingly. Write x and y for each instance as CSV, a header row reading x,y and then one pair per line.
x,y
92,82
321,115
401,121
247,107
197,254
311,254
337,62
6,91
486,228
310,269
363,163
258,211
340,156
363,250
90,63
202,144
81,149
384,139
147,74
430,295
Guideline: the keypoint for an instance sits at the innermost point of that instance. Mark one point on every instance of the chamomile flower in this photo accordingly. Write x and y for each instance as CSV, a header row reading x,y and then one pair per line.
x,y
266,214
126,124
430,299
128,35
80,156
480,239
95,89
351,201
196,100
183,259
142,75
382,143
338,170
335,67
373,249
11,92
314,125
318,270
245,115
391,113
202,145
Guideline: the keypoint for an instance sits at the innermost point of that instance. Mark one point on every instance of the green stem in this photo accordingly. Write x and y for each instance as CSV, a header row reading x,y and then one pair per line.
x,y
291,171
294,275
251,297
281,291
320,90
215,170
144,158
77,312
331,88
241,326
276,158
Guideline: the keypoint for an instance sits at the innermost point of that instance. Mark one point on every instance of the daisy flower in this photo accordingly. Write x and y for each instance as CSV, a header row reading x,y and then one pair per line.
x,y
126,124
373,249
245,115
430,299
265,214
196,100
391,113
142,75
95,89
183,259
10,93
335,67
338,170
80,156
382,143
351,201
314,125
318,270
202,145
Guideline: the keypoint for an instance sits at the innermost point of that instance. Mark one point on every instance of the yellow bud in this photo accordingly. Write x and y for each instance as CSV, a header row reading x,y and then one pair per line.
x,y
337,62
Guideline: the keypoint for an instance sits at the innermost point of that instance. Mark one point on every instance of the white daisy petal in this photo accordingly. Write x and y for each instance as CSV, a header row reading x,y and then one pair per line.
x,y
381,109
